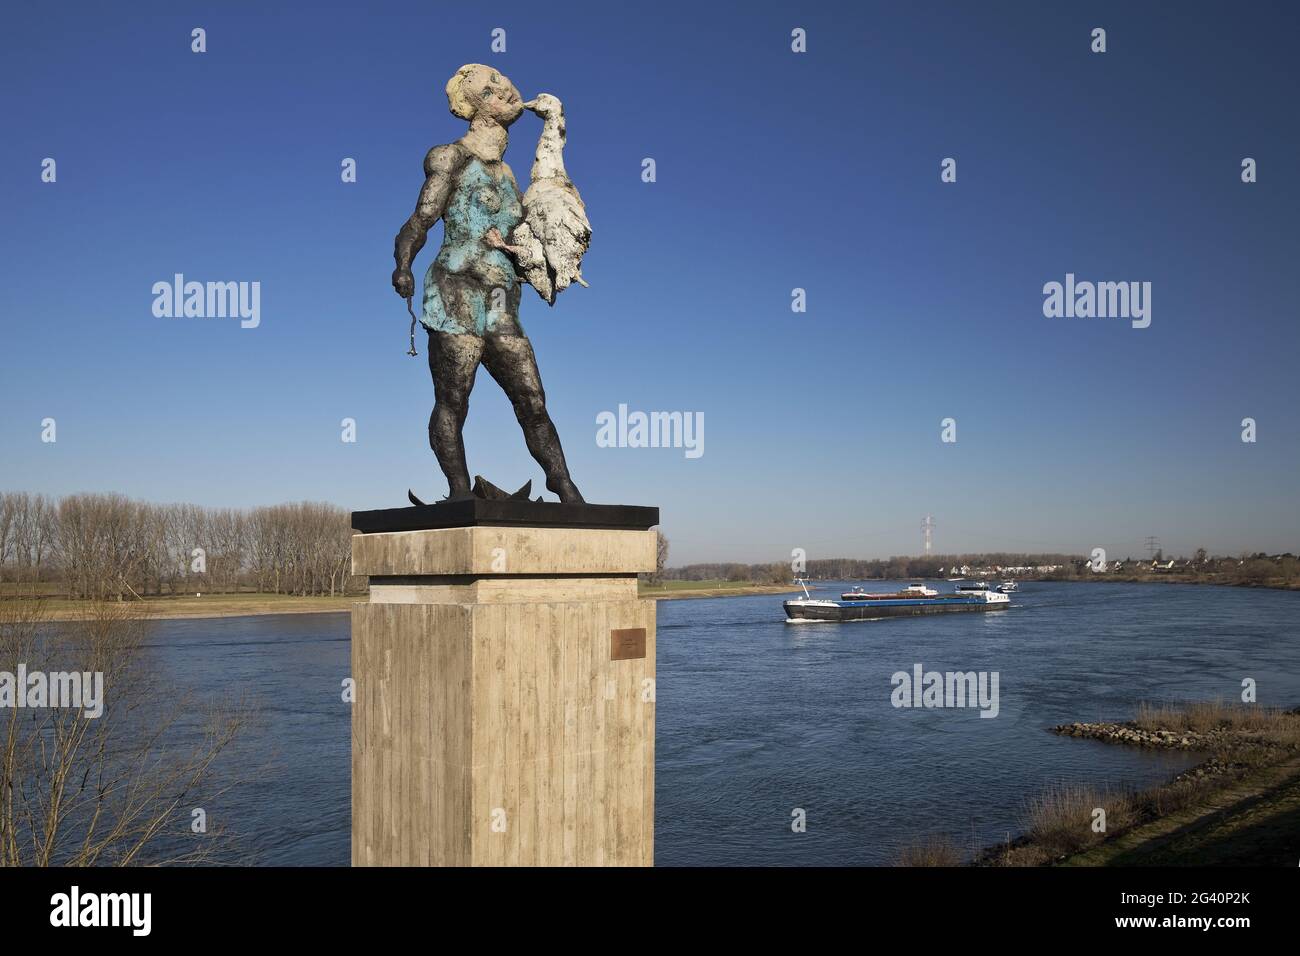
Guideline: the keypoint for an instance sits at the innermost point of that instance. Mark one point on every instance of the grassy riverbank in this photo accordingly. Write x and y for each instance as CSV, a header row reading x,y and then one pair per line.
x,y
1253,822
1275,583
672,590
215,605
239,605
1240,806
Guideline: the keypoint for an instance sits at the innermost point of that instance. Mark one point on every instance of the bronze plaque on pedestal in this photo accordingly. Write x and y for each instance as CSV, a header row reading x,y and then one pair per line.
x,y
627,644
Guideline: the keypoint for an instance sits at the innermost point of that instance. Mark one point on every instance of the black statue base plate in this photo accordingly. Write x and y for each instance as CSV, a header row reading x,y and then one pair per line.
x,y
506,513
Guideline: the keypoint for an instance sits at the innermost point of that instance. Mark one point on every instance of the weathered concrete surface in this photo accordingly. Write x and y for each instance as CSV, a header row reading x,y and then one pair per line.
x,y
491,725
504,551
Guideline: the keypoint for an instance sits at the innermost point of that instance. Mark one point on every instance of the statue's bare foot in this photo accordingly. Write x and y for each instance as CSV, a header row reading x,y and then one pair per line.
x,y
567,491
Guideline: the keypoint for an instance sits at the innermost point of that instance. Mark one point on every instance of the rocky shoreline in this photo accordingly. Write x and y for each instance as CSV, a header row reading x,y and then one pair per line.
x,y
1130,733
1237,744
1220,742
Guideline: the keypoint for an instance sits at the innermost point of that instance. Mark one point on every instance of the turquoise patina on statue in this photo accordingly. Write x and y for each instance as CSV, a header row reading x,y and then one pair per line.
x,y
479,204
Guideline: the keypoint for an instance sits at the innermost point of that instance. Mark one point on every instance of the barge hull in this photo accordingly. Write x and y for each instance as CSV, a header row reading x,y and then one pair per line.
x,y
855,612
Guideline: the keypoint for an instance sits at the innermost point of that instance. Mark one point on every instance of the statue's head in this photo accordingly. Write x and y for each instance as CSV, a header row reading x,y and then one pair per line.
x,y
480,91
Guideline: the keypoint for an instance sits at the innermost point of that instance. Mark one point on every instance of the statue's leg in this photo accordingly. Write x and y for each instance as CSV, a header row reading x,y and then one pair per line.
x,y
510,360
453,360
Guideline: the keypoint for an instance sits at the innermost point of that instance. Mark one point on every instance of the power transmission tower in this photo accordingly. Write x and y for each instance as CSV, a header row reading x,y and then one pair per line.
x,y
927,534
1153,545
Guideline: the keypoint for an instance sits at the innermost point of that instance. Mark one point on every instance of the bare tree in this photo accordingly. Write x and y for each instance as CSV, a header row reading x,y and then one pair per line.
x,y
82,790
33,534
109,546
9,506
661,560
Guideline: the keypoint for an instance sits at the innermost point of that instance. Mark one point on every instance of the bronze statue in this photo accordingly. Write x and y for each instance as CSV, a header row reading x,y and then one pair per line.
x,y
493,241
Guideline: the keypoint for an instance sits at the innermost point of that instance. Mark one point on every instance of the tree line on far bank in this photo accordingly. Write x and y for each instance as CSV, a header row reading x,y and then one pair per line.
x,y
1258,568
854,569
97,546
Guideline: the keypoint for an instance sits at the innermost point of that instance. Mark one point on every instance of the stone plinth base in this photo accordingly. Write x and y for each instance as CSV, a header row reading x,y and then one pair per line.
x,y
504,710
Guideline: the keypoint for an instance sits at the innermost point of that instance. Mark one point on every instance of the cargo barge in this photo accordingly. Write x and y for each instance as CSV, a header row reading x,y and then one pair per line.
x,y
858,605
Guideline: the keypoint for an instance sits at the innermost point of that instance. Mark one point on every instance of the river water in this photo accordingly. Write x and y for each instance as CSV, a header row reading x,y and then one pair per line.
x,y
761,722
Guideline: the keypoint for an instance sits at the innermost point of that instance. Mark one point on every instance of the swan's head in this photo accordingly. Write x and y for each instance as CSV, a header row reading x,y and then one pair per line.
x,y
546,106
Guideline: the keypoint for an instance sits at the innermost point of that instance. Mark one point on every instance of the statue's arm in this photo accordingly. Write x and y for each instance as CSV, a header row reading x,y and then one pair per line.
x,y
440,168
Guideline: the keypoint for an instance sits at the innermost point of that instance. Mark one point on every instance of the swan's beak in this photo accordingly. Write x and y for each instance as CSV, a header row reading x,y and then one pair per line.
x,y
530,105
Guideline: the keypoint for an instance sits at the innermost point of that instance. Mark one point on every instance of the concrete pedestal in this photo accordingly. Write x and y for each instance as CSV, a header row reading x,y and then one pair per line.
x,y
504,710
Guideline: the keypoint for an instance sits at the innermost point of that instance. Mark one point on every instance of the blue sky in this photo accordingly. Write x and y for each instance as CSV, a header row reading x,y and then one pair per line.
x,y
775,170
